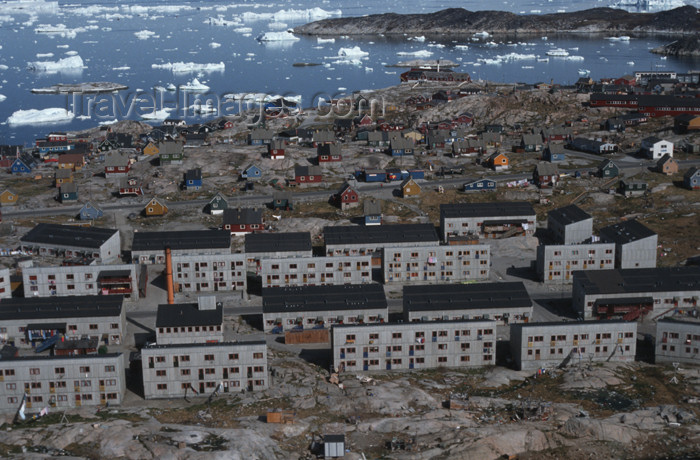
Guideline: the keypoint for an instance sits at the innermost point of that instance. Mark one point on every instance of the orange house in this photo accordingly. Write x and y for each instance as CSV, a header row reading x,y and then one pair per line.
x,y
151,149
409,187
8,198
155,208
498,162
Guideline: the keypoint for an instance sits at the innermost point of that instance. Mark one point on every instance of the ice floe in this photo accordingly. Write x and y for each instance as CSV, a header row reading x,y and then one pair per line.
x,y
145,34
190,67
420,53
285,36
69,63
214,45
325,40
40,116
354,52
311,14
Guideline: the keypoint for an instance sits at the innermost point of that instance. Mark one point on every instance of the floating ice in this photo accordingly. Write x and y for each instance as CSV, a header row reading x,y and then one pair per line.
x,y
482,34
108,122
126,67
190,67
73,62
285,36
145,34
2,97
277,25
354,52
39,116
214,45
195,85
62,46
71,53
161,114
44,55
243,30
421,53
325,40
3,67
418,39
312,14
461,47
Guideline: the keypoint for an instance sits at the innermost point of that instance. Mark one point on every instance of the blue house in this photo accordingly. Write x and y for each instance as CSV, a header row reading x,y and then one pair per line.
x,y
68,192
23,164
400,146
89,212
372,212
554,153
375,175
193,179
480,184
251,172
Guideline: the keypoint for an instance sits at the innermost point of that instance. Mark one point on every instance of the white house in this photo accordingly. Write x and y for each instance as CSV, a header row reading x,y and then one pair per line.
x,y
655,148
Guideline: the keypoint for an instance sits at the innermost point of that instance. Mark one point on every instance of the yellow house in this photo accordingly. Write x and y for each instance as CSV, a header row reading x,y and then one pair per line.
x,y
409,187
151,149
155,208
415,136
8,198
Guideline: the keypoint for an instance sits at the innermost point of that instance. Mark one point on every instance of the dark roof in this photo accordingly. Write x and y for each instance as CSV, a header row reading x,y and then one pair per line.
x,y
465,296
639,280
71,344
68,235
242,216
193,174
372,207
569,214
205,345
185,239
277,242
625,232
333,438
43,308
383,234
498,209
323,298
188,314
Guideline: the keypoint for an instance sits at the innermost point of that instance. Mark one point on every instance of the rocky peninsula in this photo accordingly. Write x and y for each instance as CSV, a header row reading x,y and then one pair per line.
x,y
685,46
458,21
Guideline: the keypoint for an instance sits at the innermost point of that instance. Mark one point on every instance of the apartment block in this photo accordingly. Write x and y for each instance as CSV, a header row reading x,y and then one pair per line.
x,y
209,272
569,225
68,241
678,340
351,240
557,262
79,280
29,321
423,345
487,220
436,264
632,293
502,302
149,247
635,244
261,246
286,308
5,286
201,322
179,370
61,381
315,271
549,345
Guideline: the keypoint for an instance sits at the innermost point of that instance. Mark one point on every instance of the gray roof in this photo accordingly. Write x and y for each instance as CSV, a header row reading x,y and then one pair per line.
x,y
532,139
62,357
68,235
692,171
547,169
63,173
188,314
169,147
384,234
371,207
69,187
185,239
567,323
193,174
323,298
116,159
242,216
465,296
569,214
625,232
555,148
307,171
639,280
278,242
43,308
496,209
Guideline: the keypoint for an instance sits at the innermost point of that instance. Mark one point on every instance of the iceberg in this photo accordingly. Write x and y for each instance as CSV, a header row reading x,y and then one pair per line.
x,y
125,67
354,52
418,39
161,114
312,14
44,55
214,45
145,34
190,67
325,40
71,53
40,116
277,25
482,34
421,53
73,62
2,97
243,30
277,37
195,85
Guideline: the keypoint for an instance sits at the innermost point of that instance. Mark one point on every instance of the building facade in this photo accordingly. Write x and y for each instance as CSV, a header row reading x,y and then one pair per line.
x,y
62,381
76,280
488,220
635,244
262,246
436,263
422,345
569,225
201,322
557,262
547,345
69,241
149,247
209,273
678,341
179,370
313,271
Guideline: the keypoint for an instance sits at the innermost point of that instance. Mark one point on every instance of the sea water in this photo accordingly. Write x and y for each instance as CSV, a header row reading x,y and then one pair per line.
x,y
153,45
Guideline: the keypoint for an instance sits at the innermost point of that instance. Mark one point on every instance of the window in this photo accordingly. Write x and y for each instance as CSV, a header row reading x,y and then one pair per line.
x,y
233,356
59,370
161,373
442,359
257,355
208,357
465,358
109,368
396,335
162,386
114,326
11,386
32,371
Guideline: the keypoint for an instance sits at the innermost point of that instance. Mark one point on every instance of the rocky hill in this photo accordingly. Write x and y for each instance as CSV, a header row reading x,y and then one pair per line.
x,y
458,21
686,46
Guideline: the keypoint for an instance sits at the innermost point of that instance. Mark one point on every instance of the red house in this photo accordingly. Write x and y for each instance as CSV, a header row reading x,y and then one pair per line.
x,y
308,174
465,118
116,164
243,220
57,137
628,80
275,149
545,175
347,197
328,152
130,186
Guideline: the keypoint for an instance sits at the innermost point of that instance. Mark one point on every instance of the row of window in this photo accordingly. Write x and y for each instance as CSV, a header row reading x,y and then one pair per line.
x,y
57,370
564,337
350,338
61,384
169,330
418,360
207,357
580,350
62,398
216,264
464,346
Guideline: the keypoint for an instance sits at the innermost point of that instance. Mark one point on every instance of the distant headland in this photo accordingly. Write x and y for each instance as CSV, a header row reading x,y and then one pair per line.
x,y
458,21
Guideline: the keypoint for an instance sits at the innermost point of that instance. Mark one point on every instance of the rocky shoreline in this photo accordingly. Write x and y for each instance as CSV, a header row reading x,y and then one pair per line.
x,y
458,21
686,46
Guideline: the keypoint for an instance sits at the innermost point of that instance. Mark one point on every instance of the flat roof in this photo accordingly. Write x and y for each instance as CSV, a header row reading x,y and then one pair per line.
x,y
412,324
465,296
626,232
570,323
277,242
204,345
639,280
60,357
188,314
68,235
183,239
380,234
495,209
43,308
690,321
569,214
323,298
